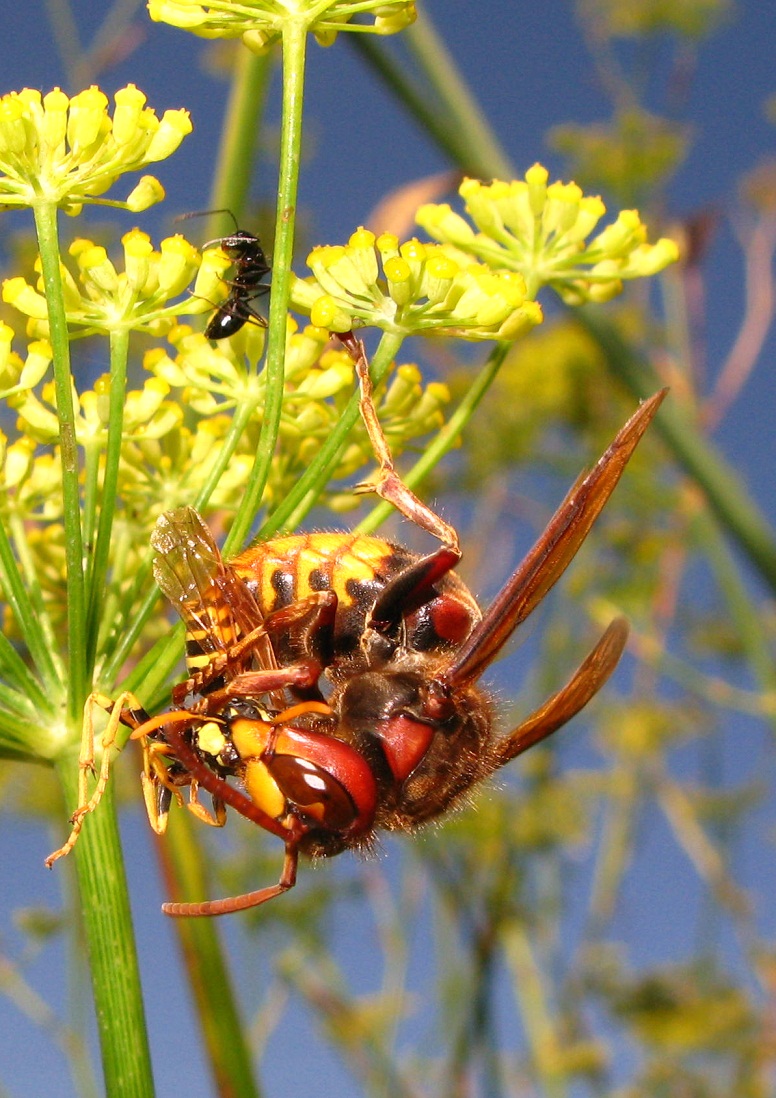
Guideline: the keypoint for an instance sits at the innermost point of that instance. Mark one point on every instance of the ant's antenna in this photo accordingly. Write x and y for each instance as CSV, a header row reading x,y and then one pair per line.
x,y
207,213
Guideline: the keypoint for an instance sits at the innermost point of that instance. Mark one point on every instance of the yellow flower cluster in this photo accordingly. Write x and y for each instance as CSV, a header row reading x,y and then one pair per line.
x,y
541,231
67,151
178,427
319,381
411,289
259,23
100,298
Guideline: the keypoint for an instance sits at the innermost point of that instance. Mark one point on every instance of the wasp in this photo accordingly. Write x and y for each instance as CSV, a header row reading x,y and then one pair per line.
x,y
251,267
333,685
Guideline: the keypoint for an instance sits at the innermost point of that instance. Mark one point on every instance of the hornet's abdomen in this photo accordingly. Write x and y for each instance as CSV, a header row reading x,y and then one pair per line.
x,y
357,569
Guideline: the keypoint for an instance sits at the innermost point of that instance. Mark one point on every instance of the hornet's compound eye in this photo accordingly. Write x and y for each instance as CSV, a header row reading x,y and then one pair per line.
x,y
314,790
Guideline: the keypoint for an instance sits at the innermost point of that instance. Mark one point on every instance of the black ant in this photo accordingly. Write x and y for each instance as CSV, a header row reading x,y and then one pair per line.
x,y
246,253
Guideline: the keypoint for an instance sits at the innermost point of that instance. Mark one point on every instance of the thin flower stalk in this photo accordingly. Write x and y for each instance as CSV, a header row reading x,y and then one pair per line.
x,y
78,674
294,54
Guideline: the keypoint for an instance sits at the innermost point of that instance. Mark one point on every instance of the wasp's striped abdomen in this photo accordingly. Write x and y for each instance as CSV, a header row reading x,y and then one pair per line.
x,y
357,569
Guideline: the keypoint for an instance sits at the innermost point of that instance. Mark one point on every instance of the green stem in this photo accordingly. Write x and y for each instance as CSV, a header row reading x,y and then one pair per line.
x,y
240,137
48,243
294,50
445,439
243,413
528,984
480,147
615,846
126,639
223,1029
738,514
229,191
98,570
19,729
111,945
15,704
745,615
166,651
152,674
307,489
18,599
48,646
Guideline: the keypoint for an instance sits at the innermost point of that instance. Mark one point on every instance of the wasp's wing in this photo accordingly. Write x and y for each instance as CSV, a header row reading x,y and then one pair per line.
x,y
216,607
553,552
583,685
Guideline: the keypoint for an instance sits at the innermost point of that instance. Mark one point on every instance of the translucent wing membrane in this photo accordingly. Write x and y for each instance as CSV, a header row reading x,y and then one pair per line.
x,y
217,609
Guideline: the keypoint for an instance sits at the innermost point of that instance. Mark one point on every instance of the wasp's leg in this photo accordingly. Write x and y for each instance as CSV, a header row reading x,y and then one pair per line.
x,y
232,660
411,588
220,789
306,626
388,484
309,627
160,785
300,676
125,710
216,818
158,789
250,899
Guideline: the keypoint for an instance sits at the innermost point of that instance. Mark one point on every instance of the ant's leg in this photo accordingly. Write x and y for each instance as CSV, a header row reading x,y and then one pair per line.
x,y
388,484
125,710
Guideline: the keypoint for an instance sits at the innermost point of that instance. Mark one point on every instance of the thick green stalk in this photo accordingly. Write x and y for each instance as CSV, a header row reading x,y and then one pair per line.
x,y
726,495
48,243
294,52
111,945
222,1027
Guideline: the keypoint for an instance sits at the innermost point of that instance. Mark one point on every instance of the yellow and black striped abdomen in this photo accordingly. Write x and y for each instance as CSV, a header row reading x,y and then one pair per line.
x,y
288,569
357,568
